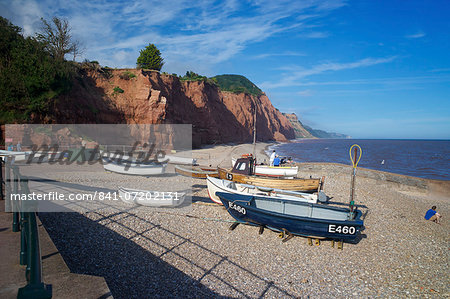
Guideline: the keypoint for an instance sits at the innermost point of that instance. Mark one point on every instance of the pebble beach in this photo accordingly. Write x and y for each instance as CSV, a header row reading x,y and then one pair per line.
x,y
190,253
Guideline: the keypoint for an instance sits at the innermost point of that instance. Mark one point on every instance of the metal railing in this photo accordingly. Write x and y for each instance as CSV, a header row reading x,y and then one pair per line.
x,y
25,222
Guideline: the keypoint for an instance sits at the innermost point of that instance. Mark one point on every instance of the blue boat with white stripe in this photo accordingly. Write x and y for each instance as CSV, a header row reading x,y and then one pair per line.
x,y
294,217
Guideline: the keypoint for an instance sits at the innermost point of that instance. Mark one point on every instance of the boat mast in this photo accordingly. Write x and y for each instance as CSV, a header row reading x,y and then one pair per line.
x,y
254,130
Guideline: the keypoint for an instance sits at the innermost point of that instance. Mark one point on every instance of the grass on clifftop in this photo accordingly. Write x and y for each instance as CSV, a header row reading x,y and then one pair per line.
x,y
237,84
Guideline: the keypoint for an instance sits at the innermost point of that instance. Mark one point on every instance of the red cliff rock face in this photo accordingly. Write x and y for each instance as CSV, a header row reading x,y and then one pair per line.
x,y
154,98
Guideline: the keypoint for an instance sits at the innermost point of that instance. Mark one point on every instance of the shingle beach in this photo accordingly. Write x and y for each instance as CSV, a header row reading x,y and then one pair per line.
x,y
145,253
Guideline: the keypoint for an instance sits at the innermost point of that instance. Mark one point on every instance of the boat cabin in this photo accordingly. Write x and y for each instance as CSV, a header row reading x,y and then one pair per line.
x,y
245,165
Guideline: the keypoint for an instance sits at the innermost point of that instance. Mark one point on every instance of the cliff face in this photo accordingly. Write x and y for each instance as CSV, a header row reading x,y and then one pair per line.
x,y
154,98
300,131
303,131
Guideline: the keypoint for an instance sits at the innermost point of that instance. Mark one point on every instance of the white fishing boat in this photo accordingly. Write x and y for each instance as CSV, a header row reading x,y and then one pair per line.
x,y
177,160
275,171
151,198
222,185
133,168
16,156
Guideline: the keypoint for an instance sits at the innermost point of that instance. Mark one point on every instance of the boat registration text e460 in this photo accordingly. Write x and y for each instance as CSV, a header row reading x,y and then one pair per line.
x,y
341,229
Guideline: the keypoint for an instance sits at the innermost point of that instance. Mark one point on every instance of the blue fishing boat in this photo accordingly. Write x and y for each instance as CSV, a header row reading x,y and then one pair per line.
x,y
294,217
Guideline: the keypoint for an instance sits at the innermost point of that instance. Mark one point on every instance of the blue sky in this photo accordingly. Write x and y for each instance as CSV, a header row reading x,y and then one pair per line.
x,y
370,69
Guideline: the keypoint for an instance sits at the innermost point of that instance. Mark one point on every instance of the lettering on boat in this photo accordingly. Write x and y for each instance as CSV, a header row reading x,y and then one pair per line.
x,y
341,229
237,208
229,176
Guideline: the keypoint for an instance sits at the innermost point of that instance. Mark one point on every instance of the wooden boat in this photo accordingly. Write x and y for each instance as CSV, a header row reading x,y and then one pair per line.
x,y
220,185
133,168
177,160
151,198
196,171
243,170
293,217
274,171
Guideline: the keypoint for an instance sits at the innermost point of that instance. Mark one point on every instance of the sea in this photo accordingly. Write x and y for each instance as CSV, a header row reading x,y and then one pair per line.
x,y
429,159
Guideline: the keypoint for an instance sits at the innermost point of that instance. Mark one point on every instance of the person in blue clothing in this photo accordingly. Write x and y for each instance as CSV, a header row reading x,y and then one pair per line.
x,y
432,215
276,161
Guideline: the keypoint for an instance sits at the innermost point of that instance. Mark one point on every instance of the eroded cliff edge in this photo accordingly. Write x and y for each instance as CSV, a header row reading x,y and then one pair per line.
x,y
148,97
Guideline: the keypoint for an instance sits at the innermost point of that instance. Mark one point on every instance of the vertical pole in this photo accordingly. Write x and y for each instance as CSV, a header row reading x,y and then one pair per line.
x,y
254,130
8,203
16,220
352,192
355,163
34,254
1,179
24,244
35,287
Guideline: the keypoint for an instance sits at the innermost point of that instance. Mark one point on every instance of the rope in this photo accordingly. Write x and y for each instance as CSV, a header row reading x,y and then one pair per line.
x,y
355,163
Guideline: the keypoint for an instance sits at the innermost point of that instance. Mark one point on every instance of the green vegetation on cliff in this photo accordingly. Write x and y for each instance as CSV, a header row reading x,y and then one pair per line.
x,y
191,76
237,84
30,77
150,58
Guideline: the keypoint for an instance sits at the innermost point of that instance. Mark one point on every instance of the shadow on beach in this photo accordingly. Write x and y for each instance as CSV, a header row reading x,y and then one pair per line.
x,y
130,271
139,262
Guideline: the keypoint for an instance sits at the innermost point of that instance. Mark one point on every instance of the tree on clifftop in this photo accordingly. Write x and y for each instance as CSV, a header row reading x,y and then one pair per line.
x,y
57,38
150,58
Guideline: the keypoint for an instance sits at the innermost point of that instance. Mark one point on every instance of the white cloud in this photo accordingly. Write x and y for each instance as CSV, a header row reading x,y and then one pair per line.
x,y
297,73
286,53
418,34
202,32
305,93
315,34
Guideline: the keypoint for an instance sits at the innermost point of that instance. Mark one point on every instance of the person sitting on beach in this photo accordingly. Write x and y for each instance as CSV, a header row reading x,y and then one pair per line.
x,y
272,157
276,161
432,215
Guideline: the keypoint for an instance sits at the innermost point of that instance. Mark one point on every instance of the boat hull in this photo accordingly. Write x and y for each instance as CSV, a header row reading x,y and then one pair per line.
x,y
15,156
217,185
151,198
293,184
134,168
177,160
274,171
195,172
310,220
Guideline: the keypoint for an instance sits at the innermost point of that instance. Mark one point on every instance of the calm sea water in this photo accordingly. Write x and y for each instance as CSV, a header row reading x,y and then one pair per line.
x,y
420,158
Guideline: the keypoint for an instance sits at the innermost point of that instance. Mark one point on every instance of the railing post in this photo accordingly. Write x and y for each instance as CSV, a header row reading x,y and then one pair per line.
x,y
8,203
35,287
23,238
1,179
16,220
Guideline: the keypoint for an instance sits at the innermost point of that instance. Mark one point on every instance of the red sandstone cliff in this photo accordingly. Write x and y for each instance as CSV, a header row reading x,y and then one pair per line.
x,y
154,98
